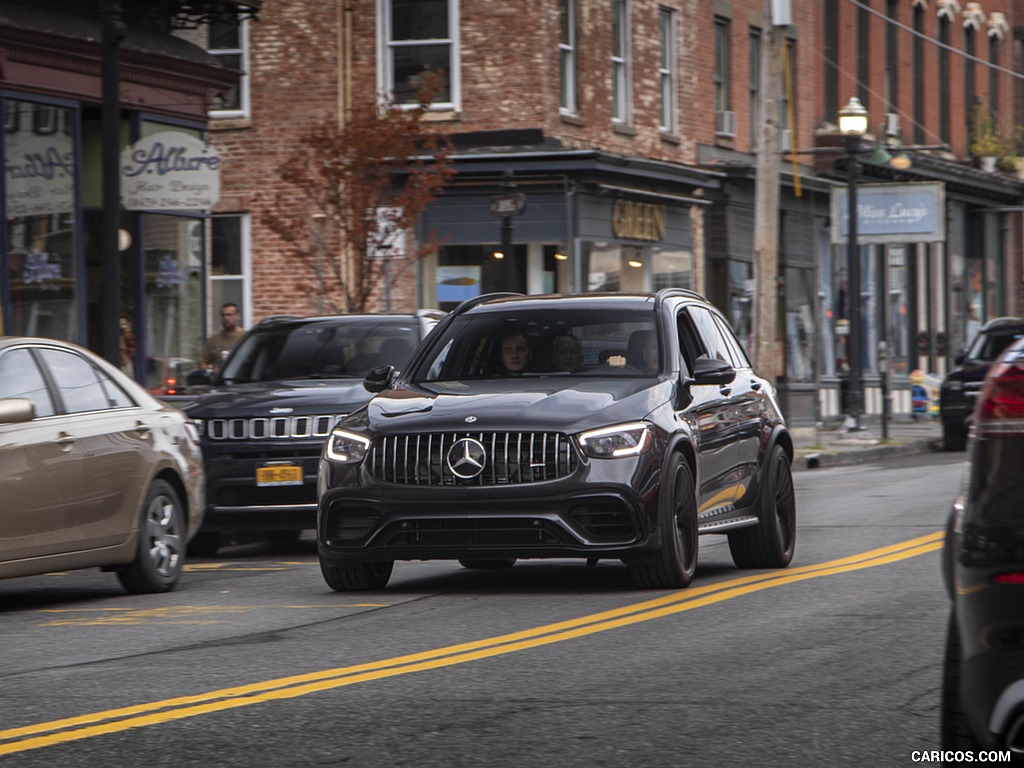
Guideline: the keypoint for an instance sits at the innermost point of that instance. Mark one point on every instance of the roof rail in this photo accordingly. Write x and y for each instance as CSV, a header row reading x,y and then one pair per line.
x,y
277,319
667,293
470,303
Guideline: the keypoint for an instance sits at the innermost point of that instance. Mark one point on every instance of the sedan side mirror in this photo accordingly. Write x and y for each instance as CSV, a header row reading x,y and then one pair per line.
x,y
708,370
15,410
378,379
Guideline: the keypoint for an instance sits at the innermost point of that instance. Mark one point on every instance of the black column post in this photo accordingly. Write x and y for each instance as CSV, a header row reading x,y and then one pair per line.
x,y
110,119
855,383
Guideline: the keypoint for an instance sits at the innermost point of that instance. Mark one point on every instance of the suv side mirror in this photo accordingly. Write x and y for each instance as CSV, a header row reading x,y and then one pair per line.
x,y
707,370
200,377
378,379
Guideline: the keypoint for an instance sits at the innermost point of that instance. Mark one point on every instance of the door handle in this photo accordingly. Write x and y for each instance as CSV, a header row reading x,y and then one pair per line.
x,y
143,428
65,441
755,385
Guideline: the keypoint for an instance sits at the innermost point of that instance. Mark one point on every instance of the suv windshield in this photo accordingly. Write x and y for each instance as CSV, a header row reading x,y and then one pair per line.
x,y
337,348
989,344
578,342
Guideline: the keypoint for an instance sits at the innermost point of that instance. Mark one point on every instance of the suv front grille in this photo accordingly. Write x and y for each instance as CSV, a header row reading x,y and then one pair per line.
x,y
510,458
272,428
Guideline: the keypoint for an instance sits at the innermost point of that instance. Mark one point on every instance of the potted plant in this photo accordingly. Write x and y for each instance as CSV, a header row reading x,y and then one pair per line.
x,y
986,143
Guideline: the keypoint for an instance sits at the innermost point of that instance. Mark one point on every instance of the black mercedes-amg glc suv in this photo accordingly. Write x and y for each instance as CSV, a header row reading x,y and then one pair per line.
x,y
594,426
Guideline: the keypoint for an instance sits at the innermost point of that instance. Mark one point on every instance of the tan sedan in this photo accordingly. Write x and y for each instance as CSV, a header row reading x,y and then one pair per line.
x,y
94,471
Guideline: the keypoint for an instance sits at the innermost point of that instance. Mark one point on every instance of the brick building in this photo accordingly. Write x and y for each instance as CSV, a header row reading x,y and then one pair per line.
x,y
631,127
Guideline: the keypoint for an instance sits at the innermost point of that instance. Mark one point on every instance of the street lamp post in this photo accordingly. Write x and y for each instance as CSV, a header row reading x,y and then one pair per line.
x,y
853,124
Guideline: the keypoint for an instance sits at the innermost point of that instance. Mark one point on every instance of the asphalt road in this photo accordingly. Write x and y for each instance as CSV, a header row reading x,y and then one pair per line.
x,y
254,662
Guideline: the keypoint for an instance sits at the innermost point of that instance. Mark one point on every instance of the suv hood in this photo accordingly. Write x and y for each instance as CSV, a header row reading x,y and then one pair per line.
x,y
302,396
536,405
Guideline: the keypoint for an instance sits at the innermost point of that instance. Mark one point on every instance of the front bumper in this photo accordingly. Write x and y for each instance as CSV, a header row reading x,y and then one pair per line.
x,y
235,500
596,512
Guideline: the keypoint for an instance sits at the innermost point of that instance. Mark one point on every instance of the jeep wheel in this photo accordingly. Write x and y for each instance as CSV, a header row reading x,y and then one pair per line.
x,y
205,544
161,546
675,563
954,438
771,542
356,577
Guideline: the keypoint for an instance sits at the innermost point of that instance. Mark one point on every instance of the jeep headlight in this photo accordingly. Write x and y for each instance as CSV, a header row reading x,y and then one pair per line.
x,y
346,447
612,442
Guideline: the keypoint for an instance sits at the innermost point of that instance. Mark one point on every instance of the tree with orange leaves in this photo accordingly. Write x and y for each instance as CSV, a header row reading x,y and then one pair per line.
x,y
356,190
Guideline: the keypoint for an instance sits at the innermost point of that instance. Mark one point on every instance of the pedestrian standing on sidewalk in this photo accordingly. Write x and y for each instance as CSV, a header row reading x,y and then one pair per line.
x,y
219,344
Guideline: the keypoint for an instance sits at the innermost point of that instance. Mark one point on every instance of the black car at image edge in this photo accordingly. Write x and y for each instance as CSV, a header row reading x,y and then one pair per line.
x,y
599,426
961,385
270,407
983,692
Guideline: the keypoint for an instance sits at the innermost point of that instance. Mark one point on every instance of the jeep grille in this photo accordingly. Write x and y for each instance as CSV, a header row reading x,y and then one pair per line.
x,y
272,428
511,458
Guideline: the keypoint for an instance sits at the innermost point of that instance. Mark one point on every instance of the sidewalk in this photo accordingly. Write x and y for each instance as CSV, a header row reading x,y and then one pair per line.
x,y
833,445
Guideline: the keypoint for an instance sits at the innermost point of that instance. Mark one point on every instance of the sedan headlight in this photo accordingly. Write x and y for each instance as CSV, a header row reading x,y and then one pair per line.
x,y
346,447
613,442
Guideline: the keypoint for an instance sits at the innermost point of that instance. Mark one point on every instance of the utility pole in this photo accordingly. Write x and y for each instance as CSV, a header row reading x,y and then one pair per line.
x,y
766,195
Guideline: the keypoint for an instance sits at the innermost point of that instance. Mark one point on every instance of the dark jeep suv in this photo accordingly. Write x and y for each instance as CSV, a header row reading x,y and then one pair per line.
x,y
271,407
960,388
595,426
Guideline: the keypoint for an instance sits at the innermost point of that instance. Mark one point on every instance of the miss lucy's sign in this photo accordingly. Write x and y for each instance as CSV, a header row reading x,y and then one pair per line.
x,y
170,171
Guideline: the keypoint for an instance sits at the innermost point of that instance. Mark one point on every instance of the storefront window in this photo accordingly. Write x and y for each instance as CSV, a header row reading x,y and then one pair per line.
x,y
899,321
740,302
173,252
40,172
799,324
615,267
672,268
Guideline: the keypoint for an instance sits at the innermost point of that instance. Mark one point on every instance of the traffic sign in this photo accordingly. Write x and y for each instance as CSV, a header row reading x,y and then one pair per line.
x,y
508,205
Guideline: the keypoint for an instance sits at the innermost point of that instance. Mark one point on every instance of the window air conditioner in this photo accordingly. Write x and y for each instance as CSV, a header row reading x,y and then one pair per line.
x,y
785,140
725,123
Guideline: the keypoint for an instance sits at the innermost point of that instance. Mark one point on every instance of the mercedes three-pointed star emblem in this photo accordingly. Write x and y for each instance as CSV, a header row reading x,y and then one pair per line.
x,y
466,458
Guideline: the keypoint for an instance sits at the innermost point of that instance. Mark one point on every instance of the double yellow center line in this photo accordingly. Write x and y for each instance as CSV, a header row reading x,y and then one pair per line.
x,y
86,726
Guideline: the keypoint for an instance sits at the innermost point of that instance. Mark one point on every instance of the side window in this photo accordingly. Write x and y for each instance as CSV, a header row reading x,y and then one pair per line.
x,y
79,386
21,377
739,357
711,338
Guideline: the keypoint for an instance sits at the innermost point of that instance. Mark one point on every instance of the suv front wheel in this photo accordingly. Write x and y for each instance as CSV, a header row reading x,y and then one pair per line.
x,y
675,563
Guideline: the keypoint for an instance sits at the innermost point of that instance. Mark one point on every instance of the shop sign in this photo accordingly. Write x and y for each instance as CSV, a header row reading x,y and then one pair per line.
x,y
40,174
638,221
170,171
908,212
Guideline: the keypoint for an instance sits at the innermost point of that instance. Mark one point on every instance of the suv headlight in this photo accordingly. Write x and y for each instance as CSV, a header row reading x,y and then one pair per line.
x,y
346,447
613,442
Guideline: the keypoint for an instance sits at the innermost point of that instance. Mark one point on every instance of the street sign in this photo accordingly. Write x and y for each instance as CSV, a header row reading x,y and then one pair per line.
x,y
508,205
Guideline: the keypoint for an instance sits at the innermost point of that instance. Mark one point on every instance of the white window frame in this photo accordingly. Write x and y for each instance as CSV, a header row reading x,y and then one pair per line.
x,y
621,59
567,60
243,83
385,45
245,245
668,77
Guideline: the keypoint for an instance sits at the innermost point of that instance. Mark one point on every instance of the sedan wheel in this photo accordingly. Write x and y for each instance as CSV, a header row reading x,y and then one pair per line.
x,y
357,577
675,563
770,544
161,547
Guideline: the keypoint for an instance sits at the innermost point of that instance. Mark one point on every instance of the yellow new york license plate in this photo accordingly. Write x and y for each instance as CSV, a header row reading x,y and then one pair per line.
x,y
279,474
